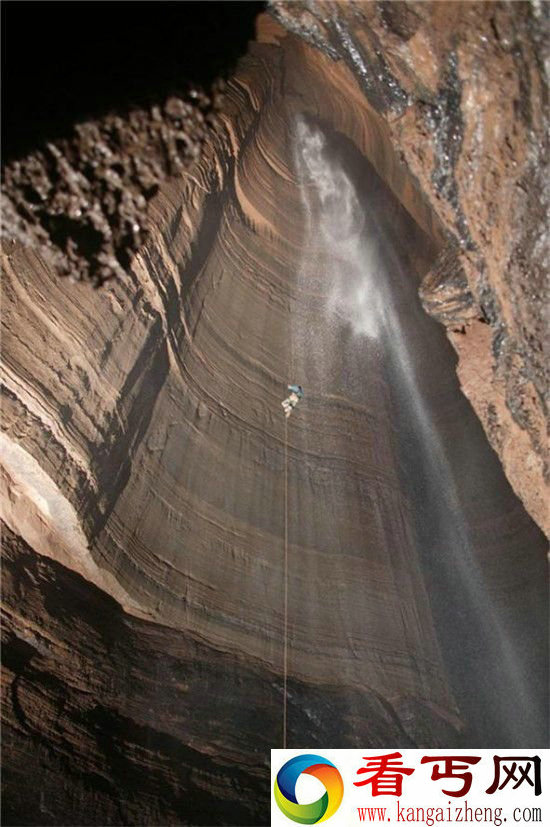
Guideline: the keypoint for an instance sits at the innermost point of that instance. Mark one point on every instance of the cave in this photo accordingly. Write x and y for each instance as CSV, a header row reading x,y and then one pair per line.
x,y
189,578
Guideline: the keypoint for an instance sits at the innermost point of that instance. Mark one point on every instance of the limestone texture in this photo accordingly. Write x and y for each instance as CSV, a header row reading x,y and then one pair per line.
x,y
144,447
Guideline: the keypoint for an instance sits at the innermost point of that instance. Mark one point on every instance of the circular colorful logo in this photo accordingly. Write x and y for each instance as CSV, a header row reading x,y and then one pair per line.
x,y
285,789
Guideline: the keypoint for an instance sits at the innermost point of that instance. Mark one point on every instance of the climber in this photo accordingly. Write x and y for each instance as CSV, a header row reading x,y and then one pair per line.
x,y
296,393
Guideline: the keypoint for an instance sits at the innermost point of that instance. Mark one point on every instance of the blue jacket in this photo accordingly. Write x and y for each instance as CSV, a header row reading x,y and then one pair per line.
x,y
297,389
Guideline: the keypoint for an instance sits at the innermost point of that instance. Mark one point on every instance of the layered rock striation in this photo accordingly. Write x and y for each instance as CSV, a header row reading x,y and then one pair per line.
x,y
462,93
143,472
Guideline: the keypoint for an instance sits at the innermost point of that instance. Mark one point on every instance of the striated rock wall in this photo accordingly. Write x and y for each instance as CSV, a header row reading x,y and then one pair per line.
x,y
121,721
462,94
98,113
93,711
143,478
155,412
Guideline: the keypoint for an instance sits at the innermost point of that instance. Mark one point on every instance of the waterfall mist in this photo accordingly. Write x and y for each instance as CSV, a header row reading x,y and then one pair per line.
x,y
365,339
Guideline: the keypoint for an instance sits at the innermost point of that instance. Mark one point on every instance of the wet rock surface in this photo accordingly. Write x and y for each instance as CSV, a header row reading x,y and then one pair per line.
x,y
143,457
463,91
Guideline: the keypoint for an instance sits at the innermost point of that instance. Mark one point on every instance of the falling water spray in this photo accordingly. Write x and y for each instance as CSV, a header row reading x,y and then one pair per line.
x,y
348,262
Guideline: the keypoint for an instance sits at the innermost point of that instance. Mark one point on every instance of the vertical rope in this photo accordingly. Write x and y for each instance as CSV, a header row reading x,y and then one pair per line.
x,y
285,628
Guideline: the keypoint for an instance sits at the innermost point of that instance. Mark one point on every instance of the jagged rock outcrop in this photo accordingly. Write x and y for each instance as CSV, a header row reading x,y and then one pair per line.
x,y
98,113
83,200
143,477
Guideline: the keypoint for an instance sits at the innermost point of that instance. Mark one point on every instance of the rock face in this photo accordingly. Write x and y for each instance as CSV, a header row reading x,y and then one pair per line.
x,y
144,459
461,91
95,122
84,200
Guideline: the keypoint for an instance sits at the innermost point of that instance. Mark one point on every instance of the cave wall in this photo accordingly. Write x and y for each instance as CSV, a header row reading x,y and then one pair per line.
x,y
155,412
98,113
461,93
143,440
143,464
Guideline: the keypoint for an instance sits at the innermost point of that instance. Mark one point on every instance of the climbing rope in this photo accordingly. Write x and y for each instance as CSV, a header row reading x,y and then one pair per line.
x,y
285,628
285,568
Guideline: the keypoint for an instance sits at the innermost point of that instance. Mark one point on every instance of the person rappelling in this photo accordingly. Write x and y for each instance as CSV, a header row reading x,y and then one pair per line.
x,y
296,393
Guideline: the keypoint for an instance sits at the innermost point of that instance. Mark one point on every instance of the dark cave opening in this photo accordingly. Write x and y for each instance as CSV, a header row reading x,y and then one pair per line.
x,y
63,63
